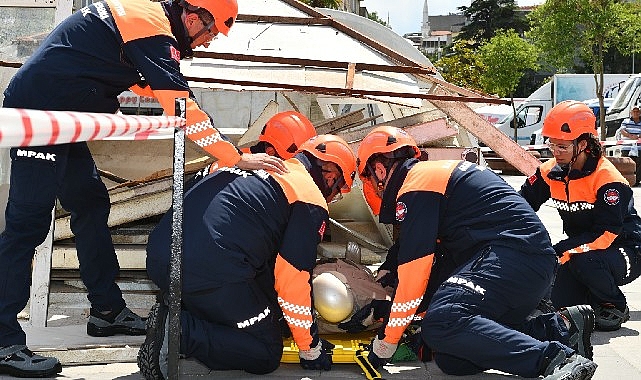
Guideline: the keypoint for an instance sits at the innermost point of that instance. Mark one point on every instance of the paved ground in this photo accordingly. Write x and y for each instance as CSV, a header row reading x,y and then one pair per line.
x,y
617,353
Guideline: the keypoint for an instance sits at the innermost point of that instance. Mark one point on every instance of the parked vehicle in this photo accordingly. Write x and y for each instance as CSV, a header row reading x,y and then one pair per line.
x,y
531,113
628,96
537,138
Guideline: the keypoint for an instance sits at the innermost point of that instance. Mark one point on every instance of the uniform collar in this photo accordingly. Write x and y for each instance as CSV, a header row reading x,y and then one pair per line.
x,y
396,180
174,12
559,174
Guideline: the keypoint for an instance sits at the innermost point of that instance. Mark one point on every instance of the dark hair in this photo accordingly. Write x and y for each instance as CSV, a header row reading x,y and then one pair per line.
x,y
593,148
387,159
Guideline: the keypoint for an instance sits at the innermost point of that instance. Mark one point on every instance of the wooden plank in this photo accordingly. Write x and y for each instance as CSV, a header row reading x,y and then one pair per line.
x,y
424,133
130,257
338,122
489,134
349,81
133,208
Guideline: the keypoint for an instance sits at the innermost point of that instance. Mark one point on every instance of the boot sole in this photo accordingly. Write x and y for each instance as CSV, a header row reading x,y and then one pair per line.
x,y
584,317
584,373
93,330
150,351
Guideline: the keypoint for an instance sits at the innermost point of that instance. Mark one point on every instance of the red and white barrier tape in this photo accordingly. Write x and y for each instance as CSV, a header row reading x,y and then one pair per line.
x,y
22,127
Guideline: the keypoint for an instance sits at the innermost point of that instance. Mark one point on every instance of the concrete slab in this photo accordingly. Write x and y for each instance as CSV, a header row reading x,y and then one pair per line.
x,y
617,353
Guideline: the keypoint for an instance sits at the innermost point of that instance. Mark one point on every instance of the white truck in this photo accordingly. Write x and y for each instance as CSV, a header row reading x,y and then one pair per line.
x,y
628,96
530,114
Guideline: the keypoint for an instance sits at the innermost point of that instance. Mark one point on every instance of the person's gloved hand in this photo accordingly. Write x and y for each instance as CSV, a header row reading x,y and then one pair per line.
x,y
387,279
359,321
366,316
318,357
380,352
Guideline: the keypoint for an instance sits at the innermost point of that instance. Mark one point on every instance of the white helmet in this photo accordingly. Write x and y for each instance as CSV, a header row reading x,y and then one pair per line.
x,y
332,299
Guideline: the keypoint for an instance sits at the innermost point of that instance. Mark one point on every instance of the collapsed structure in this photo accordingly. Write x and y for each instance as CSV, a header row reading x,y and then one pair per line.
x,y
345,72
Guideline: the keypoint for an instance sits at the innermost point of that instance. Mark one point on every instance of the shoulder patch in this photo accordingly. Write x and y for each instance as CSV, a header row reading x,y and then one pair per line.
x,y
531,179
401,211
611,197
175,54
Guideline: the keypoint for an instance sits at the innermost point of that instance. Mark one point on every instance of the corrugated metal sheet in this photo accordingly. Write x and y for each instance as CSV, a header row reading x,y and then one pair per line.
x,y
314,41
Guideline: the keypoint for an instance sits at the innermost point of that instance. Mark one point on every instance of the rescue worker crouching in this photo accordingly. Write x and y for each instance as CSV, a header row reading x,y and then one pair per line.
x,y
281,137
250,245
596,204
476,318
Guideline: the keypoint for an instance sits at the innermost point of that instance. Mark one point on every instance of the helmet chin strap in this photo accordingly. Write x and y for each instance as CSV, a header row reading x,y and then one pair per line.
x,y
575,155
205,29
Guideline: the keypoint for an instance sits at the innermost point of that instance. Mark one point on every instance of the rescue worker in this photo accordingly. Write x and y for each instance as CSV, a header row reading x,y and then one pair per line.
x,y
495,260
281,137
82,65
601,251
250,241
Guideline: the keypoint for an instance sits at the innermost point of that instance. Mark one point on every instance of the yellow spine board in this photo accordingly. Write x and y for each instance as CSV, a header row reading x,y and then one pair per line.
x,y
344,351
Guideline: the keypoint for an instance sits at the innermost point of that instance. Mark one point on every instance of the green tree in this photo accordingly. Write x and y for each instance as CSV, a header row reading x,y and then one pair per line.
x,y
461,66
374,17
629,40
486,17
505,58
333,4
568,30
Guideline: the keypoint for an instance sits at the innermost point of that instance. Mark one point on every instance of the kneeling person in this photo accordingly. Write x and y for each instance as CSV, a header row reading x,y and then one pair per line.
x,y
250,243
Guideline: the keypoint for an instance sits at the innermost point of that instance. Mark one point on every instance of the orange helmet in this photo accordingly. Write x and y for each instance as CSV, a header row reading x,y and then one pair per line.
x,y
286,132
333,149
384,139
223,11
568,120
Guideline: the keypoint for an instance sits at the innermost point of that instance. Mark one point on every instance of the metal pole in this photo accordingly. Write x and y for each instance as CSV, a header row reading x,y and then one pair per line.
x,y
175,269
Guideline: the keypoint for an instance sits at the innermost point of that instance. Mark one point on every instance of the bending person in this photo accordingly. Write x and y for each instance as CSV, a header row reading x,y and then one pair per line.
x,y
250,243
464,228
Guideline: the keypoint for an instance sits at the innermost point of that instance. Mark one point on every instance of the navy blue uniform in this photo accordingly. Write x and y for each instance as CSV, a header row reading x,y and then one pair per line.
x,y
90,58
466,229
250,243
601,251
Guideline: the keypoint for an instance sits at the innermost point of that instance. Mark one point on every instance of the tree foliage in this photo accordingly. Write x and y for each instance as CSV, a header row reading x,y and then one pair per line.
x,y
333,4
566,30
374,17
505,58
629,30
461,66
486,17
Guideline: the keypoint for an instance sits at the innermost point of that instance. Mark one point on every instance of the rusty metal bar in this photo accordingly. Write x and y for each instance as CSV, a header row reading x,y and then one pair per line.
x,y
334,91
315,63
285,19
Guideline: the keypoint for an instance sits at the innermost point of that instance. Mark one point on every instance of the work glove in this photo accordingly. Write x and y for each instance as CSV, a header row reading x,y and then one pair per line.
x,y
318,357
388,279
366,316
380,352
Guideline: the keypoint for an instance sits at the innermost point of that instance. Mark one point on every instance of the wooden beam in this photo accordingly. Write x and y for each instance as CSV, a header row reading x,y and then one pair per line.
x,y
489,134
424,133
128,206
338,122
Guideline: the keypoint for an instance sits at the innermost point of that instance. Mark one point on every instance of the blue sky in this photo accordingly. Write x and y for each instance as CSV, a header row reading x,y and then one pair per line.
x,y
405,16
